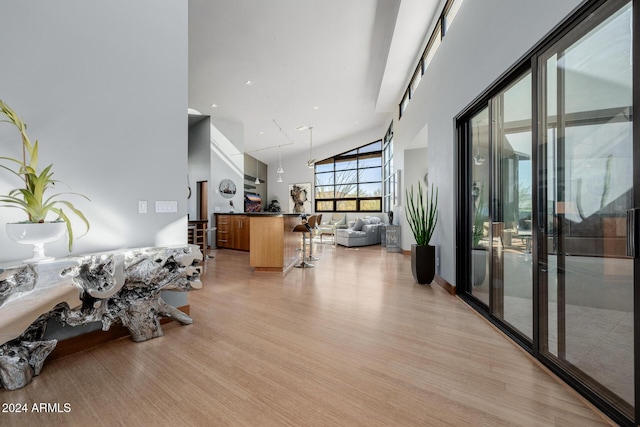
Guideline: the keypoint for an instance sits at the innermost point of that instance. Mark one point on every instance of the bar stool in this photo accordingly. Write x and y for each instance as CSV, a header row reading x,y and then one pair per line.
x,y
303,228
318,224
313,224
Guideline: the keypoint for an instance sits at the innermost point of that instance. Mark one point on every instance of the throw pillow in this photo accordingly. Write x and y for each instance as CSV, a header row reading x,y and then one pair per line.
x,y
357,226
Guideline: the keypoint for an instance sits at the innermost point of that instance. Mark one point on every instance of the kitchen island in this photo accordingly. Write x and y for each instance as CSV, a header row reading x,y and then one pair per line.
x,y
272,243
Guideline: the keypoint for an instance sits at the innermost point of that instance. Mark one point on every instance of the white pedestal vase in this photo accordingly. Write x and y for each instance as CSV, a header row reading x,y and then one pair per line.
x,y
36,234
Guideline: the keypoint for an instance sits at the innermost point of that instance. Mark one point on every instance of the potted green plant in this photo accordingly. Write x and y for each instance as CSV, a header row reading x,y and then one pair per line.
x,y
478,252
422,216
34,198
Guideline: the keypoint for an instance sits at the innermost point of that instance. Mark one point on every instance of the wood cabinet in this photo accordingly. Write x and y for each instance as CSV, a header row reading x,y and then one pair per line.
x,y
232,232
274,245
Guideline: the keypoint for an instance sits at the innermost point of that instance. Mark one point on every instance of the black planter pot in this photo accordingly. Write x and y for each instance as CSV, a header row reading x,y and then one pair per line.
x,y
423,263
479,266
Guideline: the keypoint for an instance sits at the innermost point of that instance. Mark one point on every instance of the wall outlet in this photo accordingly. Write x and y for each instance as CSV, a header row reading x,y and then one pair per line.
x,y
166,206
438,261
142,206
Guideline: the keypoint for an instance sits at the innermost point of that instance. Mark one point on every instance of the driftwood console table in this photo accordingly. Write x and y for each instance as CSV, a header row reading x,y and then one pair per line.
x,y
114,287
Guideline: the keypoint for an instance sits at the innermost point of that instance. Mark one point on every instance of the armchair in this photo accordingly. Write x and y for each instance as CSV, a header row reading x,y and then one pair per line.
x,y
335,222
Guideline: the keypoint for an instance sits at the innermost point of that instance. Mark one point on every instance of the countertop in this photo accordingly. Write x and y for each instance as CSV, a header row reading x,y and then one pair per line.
x,y
274,214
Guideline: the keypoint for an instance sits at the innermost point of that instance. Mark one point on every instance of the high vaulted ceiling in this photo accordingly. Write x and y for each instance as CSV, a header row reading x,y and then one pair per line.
x,y
339,66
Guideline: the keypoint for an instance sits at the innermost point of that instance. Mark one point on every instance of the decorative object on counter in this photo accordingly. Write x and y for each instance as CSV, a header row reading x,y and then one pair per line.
x,y
390,214
422,216
252,202
120,287
231,207
299,201
34,198
227,188
274,206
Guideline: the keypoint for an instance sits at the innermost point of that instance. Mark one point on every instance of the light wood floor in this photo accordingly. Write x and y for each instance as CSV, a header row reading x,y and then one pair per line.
x,y
352,342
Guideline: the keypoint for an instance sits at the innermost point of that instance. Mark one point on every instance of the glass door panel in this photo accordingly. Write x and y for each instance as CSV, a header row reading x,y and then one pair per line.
x,y
586,188
512,189
480,232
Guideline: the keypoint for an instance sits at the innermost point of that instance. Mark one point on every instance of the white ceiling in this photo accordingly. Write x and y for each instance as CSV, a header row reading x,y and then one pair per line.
x,y
350,60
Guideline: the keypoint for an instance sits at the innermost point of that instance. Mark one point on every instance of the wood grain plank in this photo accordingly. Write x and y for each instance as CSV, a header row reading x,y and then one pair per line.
x,y
352,342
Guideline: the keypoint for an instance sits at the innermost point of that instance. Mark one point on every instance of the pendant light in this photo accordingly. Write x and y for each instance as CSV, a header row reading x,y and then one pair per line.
x,y
478,159
311,160
279,178
280,170
257,179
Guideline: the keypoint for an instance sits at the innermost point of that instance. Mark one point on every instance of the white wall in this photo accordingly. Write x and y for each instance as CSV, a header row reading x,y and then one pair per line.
x,y
103,87
415,168
486,38
227,162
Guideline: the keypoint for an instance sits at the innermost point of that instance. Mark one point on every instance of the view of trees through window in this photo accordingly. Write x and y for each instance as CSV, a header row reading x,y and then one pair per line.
x,y
351,181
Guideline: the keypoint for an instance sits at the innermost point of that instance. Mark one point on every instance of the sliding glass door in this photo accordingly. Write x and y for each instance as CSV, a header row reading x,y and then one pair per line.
x,y
549,248
511,195
500,140
587,188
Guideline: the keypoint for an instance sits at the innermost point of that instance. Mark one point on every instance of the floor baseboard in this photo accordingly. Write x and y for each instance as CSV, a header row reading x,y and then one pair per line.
x,y
445,285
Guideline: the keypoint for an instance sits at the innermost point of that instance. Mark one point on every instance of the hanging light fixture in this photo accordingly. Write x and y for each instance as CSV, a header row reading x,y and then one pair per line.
x,y
478,159
257,179
280,170
279,178
311,160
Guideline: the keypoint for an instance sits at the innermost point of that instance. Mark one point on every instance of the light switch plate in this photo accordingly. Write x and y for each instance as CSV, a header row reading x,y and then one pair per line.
x,y
142,206
166,206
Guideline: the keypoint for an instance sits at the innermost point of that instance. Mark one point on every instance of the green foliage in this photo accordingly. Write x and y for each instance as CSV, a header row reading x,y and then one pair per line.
x,y
422,213
33,198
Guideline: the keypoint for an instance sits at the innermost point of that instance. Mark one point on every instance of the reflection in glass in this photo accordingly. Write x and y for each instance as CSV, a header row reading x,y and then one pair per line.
x,y
479,133
511,254
588,184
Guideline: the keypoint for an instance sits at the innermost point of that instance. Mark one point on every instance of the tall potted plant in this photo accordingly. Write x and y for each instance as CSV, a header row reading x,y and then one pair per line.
x,y
478,252
35,198
422,215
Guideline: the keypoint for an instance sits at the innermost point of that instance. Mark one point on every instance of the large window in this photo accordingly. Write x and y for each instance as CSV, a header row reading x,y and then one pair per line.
x,y
351,181
447,16
387,160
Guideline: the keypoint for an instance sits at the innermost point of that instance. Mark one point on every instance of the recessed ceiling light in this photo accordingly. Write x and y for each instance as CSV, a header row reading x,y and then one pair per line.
x,y
248,82
213,105
261,133
302,128
315,107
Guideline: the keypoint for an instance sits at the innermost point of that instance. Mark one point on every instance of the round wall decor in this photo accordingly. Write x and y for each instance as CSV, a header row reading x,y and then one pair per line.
x,y
227,188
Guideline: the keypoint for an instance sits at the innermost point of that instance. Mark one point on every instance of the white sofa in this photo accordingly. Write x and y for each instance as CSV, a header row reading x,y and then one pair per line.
x,y
361,232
